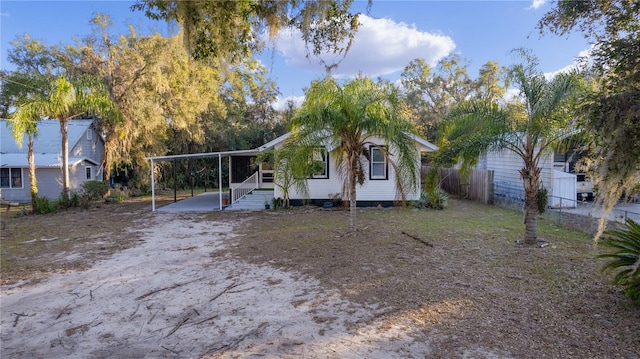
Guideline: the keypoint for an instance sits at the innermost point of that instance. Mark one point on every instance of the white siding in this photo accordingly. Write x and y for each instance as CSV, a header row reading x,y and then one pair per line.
x,y
371,190
93,148
49,186
20,194
49,182
564,192
506,166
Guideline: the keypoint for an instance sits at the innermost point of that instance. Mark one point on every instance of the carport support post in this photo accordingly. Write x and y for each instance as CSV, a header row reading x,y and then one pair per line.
x,y
175,183
220,181
153,188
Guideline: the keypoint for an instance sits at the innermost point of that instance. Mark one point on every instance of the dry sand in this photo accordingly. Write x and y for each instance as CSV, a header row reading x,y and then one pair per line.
x,y
179,294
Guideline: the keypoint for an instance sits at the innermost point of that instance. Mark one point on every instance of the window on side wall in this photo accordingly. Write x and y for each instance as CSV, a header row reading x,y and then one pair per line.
x,y
10,177
88,173
89,134
320,155
378,164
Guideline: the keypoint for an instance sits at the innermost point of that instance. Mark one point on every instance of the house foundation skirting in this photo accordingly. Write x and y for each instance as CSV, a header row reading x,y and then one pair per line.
x,y
321,203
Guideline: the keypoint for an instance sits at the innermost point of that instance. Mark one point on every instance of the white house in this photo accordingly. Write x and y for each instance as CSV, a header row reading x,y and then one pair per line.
x,y
246,175
380,182
86,152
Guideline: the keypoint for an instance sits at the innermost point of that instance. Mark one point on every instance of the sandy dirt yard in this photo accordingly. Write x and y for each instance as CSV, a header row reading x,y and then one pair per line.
x,y
173,296
120,282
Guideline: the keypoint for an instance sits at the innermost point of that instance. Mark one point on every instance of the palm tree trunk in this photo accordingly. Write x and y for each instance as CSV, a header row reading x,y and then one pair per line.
x,y
531,182
65,159
352,193
33,184
530,222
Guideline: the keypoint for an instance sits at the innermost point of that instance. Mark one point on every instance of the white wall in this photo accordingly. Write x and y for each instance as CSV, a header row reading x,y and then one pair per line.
x,y
371,190
564,194
506,166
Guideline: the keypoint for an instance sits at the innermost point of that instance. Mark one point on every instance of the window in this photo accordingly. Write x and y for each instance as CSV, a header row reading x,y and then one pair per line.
x,y
88,173
10,178
320,155
378,167
90,134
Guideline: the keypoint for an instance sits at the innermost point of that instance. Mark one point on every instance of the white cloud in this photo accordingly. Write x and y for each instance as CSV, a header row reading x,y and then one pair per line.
x,y
583,58
511,94
281,103
537,4
380,47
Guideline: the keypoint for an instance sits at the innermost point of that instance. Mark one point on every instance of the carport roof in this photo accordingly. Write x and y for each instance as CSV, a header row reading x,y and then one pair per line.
x,y
203,155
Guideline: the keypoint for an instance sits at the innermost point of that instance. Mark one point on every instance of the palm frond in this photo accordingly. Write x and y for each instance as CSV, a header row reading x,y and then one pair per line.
x,y
624,257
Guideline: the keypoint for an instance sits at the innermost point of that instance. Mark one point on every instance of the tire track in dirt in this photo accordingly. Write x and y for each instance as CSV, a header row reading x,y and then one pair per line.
x,y
179,294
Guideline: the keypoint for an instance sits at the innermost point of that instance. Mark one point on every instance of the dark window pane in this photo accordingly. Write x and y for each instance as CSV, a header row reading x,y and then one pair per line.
x,y
4,177
16,178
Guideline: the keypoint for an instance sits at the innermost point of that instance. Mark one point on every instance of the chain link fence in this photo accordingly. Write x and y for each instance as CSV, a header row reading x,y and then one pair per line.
x,y
583,216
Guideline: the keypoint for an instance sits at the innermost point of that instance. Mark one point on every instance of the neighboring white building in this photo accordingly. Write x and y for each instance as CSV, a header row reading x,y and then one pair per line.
x,y
86,152
508,183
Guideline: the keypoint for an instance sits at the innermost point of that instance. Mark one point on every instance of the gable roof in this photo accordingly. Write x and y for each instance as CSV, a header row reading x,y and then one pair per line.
x,y
42,160
426,145
47,140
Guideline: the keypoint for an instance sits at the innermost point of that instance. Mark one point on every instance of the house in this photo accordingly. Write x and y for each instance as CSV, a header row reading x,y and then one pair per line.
x,y
247,175
507,183
86,152
380,182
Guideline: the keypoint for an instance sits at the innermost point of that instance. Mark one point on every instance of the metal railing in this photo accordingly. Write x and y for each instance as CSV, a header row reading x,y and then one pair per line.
x,y
245,187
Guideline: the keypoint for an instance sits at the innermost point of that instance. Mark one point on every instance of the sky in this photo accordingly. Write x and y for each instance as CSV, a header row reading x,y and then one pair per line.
x,y
392,34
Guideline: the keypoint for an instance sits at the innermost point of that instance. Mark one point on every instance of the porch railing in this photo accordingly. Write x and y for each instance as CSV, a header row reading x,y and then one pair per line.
x,y
245,187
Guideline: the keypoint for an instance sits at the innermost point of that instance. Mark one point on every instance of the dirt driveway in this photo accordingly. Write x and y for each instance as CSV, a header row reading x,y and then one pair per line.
x,y
294,284
173,295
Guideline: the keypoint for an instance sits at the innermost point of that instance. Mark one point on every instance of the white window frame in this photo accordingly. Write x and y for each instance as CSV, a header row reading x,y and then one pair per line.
x,y
11,178
318,156
384,163
89,134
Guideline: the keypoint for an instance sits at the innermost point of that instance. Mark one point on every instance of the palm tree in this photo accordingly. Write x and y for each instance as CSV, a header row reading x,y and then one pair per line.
x,y
24,121
64,101
348,119
531,127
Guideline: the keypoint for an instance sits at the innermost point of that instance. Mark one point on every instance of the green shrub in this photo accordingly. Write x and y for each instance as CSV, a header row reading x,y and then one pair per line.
x,y
420,203
45,206
624,259
437,198
95,190
145,189
542,198
76,200
434,198
276,203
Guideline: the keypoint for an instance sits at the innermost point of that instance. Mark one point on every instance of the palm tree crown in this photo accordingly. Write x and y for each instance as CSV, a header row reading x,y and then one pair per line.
x,y
531,126
346,120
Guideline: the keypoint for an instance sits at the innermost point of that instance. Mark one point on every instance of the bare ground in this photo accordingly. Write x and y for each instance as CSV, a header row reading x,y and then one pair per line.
x,y
119,281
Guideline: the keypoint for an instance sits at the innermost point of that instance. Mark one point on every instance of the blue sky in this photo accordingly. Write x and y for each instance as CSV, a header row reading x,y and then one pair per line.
x,y
392,34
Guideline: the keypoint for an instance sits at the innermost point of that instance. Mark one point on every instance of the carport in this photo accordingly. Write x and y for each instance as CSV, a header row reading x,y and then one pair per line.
x,y
197,203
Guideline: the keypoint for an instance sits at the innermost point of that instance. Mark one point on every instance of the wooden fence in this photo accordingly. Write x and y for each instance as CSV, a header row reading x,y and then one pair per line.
x,y
476,186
